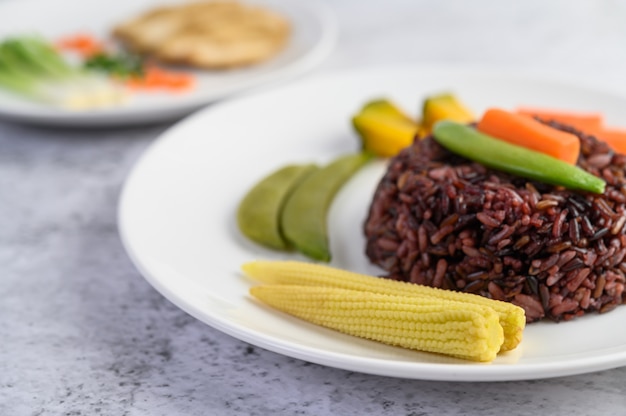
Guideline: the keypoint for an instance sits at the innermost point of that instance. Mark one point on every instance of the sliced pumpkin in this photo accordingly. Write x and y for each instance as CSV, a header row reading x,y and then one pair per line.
x,y
384,128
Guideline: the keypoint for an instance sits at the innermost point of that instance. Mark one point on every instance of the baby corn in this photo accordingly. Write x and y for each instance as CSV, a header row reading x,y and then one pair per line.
x,y
512,318
472,333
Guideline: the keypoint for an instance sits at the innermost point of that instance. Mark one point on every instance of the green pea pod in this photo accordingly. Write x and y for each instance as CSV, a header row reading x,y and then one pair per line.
x,y
466,141
259,212
304,219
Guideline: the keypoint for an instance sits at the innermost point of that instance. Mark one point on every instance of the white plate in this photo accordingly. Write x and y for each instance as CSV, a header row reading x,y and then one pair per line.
x,y
176,217
313,37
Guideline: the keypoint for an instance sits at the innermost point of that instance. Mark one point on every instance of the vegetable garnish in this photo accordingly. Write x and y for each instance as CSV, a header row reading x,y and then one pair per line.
x,y
36,69
512,317
136,73
517,160
444,107
614,137
384,128
32,68
587,122
583,121
121,65
396,313
288,209
156,78
260,211
524,131
82,43
304,215
470,332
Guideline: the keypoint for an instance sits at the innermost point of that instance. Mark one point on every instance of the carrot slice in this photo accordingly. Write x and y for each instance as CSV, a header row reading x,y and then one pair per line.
x,y
585,122
614,137
83,44
156,78
524,131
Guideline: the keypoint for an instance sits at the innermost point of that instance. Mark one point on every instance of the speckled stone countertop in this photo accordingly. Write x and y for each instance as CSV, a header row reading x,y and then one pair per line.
x,y
82,333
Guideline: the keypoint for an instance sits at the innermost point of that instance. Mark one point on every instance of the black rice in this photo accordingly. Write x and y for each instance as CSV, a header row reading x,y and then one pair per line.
x,y
441,220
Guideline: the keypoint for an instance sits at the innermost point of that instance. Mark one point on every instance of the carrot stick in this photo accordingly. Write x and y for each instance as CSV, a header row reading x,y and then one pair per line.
x,y
585,122
590,123
615,138
524,131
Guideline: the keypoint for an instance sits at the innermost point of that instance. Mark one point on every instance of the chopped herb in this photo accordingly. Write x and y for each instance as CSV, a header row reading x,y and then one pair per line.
x,y
122,65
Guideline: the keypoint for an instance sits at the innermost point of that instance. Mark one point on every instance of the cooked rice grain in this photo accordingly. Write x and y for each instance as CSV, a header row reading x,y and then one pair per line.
x,y
440,220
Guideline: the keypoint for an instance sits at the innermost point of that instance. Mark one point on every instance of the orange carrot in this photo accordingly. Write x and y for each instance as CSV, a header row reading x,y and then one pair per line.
x,y
585,122
615,138
155,78
524,131
84,44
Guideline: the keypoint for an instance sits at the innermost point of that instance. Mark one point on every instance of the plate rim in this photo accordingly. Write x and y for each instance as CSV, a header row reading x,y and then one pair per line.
x,y
470,372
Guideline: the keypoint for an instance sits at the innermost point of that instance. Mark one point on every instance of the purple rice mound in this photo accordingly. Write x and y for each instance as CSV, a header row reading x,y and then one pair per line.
x,y
440,220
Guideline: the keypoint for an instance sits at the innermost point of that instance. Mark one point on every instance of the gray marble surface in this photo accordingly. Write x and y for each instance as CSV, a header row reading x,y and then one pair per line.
x,y
82,333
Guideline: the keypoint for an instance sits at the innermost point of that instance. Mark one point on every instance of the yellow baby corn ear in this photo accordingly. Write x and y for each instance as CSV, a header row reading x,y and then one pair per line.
x,y
512,317
470,332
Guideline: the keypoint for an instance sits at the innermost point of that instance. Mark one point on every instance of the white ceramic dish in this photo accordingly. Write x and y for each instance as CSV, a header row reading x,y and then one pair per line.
x,y
313,37
176,217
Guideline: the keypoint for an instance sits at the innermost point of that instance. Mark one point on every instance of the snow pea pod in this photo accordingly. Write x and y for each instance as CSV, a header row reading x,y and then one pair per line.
x,y
304,218
466,141
259,212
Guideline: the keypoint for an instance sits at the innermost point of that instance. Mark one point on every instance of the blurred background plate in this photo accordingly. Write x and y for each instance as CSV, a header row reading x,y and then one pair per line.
x,y
313,37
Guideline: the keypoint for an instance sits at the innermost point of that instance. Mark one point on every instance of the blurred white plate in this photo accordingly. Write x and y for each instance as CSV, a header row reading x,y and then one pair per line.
x,y
314,33
177,209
